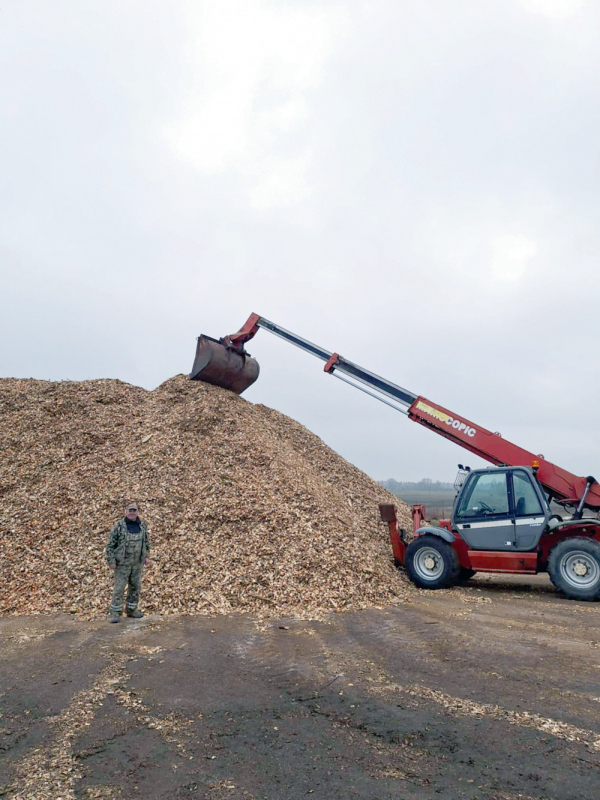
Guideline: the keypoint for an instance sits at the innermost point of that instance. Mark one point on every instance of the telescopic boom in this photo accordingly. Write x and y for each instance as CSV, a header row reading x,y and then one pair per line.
x,y
560,484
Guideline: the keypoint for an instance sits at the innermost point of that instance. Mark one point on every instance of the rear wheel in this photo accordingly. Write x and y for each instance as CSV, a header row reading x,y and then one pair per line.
x,y
431,563
574,568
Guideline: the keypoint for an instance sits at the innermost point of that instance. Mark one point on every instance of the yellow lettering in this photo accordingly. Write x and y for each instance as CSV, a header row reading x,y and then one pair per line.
x,y
433,412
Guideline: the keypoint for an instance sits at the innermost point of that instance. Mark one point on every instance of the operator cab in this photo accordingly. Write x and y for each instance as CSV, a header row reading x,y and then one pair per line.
x,y
501,508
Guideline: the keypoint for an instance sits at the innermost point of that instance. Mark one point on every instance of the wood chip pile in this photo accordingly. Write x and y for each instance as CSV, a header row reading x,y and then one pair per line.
x,y
247,510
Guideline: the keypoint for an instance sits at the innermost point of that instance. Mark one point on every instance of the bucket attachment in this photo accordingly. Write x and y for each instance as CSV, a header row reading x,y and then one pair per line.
x,y
223,365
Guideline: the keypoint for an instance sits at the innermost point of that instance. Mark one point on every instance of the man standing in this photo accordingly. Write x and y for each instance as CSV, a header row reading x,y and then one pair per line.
x,y
126,553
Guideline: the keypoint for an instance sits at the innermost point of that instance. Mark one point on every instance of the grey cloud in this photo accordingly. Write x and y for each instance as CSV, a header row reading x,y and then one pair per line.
x,y
434,132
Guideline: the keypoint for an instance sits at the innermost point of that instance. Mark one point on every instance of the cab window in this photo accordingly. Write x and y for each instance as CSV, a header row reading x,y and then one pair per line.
x,y
527,503
485,495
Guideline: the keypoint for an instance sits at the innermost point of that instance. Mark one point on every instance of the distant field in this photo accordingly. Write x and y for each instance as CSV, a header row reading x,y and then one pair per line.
x,y
437,504
445,497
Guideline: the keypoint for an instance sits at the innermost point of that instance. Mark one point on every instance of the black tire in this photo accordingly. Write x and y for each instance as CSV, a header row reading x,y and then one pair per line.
x,y
431,563
574,568
465,574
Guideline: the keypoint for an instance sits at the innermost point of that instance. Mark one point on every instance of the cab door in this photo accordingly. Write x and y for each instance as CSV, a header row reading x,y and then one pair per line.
x,y
483,515
531,510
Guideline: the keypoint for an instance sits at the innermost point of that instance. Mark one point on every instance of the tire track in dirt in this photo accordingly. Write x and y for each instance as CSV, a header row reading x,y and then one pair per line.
x,y
51,772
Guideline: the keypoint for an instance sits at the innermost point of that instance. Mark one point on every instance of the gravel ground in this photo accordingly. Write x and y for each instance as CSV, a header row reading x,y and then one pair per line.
x,y
490,691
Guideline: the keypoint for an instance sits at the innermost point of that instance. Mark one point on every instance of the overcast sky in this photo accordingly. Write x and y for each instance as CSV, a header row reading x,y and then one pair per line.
x,y
411,184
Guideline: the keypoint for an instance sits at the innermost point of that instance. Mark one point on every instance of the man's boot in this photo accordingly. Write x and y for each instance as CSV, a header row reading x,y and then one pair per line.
x,y
114,617
135,614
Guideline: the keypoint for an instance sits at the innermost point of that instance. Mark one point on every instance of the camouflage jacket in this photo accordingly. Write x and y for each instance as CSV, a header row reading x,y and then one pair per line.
x,y
123,547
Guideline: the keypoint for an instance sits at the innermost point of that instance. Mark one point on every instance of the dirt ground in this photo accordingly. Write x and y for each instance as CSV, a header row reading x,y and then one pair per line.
x,y
490,691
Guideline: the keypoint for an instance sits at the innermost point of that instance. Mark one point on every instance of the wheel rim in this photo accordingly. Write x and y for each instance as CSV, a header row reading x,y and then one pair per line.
x,y
428,564
580,569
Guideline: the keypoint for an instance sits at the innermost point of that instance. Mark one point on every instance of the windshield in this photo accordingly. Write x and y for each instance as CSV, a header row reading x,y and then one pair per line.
x,y
486,494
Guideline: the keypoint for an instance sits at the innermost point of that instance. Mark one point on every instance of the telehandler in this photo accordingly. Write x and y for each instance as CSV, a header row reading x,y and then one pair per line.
x,y
501,520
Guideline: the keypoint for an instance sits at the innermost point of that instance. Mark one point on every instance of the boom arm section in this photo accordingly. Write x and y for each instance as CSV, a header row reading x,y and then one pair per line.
x,y
561,484
389,390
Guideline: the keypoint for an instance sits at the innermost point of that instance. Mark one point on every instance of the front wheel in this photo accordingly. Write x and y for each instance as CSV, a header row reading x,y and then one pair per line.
x,y
431,563
574,568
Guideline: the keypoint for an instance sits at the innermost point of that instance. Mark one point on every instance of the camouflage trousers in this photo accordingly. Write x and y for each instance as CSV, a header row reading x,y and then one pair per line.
x,y
130,576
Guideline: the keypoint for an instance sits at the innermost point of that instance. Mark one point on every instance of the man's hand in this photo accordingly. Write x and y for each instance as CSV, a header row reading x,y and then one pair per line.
x,y
112,566
146,561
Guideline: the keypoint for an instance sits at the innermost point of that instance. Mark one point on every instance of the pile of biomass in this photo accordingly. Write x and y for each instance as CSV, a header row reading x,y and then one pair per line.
x,y
247,510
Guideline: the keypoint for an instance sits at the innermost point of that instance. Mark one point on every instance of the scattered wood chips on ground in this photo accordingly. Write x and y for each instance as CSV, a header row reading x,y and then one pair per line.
x,y
247,509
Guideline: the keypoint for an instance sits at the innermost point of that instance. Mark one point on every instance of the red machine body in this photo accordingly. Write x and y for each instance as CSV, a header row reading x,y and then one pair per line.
x,y
489,560
574,568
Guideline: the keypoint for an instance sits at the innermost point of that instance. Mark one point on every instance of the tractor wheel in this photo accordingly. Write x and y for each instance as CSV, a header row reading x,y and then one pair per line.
x,y
465,574
574,568
431,563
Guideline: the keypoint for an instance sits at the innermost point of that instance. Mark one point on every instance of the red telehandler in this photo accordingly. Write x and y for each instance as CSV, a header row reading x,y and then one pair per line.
x,y
501,519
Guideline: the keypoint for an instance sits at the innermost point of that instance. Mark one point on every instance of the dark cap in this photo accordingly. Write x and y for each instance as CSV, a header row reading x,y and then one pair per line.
x,y
132,507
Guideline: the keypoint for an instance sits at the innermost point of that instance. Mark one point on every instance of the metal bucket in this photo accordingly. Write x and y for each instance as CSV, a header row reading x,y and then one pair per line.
x,y
223,366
